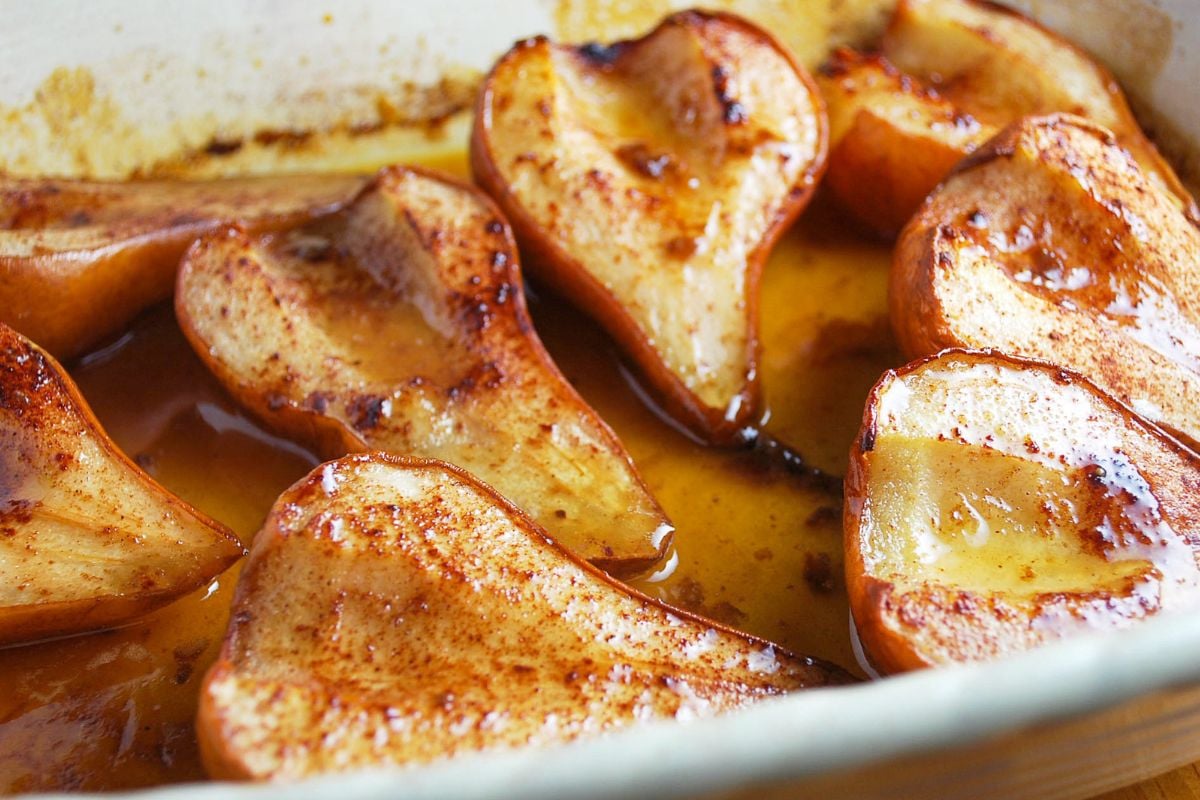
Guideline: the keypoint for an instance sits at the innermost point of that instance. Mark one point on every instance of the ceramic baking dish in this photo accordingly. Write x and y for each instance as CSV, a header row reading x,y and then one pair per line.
x,y
165,79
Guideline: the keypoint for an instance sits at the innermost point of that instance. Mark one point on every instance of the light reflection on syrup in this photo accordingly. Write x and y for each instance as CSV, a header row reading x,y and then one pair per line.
x,y
1118,290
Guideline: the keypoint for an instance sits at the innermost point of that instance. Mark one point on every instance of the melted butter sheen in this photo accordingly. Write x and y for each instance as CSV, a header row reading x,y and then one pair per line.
x,y
755,546
1048,264
1037,529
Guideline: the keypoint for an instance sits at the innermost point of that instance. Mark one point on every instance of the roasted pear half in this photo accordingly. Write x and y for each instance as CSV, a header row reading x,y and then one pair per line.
x,y
399,324
398,611
950,75
79,259
996,503
998,66
892,139
1050,242
87,540
648,180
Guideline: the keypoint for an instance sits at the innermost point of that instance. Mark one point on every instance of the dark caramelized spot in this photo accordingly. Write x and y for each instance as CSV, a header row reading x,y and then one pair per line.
x,y
818,572
867,443
641,159
681,247
600,55
18,511
366,411
318,401
283,138
734,113
222,147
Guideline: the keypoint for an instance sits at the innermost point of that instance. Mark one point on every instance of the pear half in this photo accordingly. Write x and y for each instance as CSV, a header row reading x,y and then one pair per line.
x,y
950,74
1050,242
400,324
80,259
648,180
87,540
998,65
398,611
892,139
996,503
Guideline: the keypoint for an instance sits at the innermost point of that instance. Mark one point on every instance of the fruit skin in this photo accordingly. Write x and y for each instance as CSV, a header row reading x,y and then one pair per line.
x,y
893,139
1134,551
999,65
80,259
719,411
1050,242
437,620
87,539
949,75
415,244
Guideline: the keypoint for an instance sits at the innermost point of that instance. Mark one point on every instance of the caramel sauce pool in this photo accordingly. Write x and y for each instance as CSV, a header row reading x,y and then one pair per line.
x,y
756,546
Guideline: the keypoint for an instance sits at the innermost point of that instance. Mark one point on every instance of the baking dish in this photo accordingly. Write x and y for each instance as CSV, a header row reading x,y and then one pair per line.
x,y
160,81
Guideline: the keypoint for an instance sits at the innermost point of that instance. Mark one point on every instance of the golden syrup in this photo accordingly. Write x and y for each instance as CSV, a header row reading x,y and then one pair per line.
x,y
758,544
115,709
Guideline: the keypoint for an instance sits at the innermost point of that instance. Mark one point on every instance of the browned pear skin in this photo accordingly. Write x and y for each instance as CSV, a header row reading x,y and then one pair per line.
x,y
1050,242
80,259
398,611
87,540
998,65
400,324
892,140
995,503
648,180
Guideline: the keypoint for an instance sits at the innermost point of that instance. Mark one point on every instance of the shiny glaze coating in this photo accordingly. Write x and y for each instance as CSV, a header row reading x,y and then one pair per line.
x,y
996,503
892,138
998,65
1050,242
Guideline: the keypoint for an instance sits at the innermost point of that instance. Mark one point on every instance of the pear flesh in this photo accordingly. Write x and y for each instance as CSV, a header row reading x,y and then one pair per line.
x,y
647,180
999,65
1050,242
892,139
397,611
400,325
80,259
995,504
949,75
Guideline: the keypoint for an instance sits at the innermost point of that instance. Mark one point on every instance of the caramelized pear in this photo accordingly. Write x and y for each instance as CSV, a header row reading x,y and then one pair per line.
x,y
994,504
998,66
400,324
891,139
1050,242
87,540
79,259
398,611
648,180
952,72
